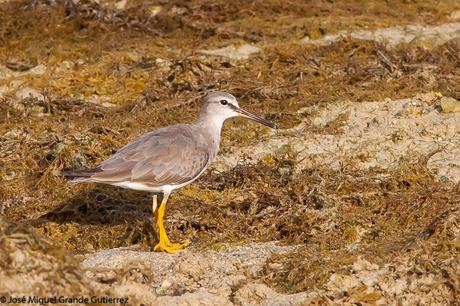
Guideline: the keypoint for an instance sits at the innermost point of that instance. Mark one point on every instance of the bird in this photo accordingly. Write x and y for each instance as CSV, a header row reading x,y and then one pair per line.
x,y
169,158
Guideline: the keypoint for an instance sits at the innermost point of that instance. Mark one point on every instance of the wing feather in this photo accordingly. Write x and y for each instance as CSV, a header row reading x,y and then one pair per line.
x,y
169,156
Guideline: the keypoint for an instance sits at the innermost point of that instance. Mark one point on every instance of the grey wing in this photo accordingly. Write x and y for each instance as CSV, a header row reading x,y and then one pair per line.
x,y
156,159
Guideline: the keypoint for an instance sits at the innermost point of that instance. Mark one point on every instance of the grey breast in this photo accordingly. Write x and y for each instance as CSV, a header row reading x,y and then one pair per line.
x,y
169,156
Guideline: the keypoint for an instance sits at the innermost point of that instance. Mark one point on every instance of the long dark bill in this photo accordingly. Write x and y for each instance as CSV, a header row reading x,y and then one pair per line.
x,y
256,118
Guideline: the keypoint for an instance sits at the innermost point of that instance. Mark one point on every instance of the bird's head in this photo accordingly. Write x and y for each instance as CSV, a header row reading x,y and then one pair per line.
x,y
221,106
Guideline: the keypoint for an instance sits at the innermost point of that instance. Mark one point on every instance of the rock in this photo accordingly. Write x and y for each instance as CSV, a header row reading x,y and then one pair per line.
x,y
260,294
121,5
163,64
455,15
199,298
14,84
3,90
64,66
28,92
19,66
450,105
253,294
6,72
101,101
178,10
446,163
392,36
203,277
27,260
37,111
142,292
237,53
39,70
371,284
155,10
372,134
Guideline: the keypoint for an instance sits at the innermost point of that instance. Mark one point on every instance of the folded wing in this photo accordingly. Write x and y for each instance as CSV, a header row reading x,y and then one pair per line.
x,y
169,156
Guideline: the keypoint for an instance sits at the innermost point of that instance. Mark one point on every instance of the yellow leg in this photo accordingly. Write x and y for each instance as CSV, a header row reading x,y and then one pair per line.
x,y
165,244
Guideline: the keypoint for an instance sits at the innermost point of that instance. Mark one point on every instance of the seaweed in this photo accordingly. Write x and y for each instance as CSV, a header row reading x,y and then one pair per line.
x,y
108,75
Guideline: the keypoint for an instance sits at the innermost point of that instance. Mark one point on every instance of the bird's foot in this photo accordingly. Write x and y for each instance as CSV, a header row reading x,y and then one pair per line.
x,y
171,248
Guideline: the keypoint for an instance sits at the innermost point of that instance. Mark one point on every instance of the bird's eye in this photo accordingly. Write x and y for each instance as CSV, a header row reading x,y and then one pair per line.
x,y
223,102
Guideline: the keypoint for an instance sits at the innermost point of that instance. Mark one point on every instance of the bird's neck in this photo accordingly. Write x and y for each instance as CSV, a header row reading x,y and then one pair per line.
x,y
212,124
211,129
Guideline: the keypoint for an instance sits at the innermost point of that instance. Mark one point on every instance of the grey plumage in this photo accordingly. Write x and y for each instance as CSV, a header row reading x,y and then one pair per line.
x,y
152,159
171,156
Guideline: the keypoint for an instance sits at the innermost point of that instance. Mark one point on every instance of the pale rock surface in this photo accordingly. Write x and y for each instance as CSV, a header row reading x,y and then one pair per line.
x,y
450,105
28,92
6,73
3,90
455,15
393,36
198,298
373,134
232,52
260,294
204,277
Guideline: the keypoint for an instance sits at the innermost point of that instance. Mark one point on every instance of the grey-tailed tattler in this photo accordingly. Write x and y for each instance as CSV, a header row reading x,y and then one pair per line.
x,y
169,158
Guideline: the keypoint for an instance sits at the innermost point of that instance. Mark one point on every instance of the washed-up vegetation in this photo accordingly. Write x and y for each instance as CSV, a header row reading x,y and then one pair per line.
x,y
78,82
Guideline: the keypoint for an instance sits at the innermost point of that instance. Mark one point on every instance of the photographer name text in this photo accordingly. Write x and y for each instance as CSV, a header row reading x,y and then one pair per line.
x,y
33,299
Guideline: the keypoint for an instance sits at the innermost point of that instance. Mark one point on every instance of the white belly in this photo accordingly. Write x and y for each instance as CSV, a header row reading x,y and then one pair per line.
x,y
143,187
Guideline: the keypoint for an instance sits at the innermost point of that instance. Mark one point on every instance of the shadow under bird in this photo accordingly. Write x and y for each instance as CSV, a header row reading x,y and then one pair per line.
x,y
169,158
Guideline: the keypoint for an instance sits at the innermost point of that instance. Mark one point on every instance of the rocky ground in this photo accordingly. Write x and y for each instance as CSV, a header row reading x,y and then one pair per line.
x,y
354,200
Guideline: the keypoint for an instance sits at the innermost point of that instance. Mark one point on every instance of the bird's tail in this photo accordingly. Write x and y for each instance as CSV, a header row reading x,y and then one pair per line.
x,y
80,176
